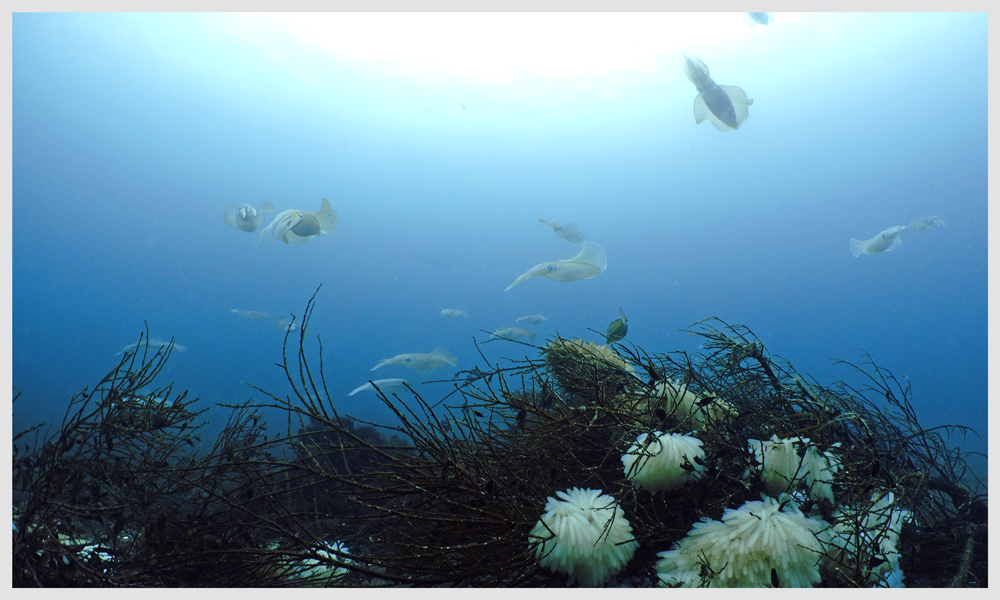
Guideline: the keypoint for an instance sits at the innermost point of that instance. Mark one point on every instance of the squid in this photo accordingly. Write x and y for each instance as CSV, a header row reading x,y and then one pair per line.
x,y
514,333
925,223
533,319
253,315
153,345
286,324
724,105
887,241
243,217
758,18
590,261
421,363
300,226
568,232
385,385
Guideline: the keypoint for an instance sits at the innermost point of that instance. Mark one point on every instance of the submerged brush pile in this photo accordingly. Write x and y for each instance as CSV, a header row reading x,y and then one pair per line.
x,y
578,463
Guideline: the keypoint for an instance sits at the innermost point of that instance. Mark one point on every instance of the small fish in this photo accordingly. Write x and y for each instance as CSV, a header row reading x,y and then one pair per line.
x,y
705,401
463,105
514,333
887,241
654,376
545,398
158,421
453,313
386,385
618,328
253,315
925,223
533,319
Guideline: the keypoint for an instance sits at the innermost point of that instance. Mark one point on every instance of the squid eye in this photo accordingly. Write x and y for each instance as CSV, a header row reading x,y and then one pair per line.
x,y
550,268
407,359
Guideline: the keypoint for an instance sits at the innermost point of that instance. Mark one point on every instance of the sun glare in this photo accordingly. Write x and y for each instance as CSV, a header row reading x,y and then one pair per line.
x,y
502,47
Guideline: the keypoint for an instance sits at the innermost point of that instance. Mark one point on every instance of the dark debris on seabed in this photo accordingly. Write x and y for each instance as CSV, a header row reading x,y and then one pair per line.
x,y
116,495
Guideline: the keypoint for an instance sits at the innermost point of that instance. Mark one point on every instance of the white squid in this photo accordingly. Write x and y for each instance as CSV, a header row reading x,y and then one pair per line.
x,y
590,261
887,241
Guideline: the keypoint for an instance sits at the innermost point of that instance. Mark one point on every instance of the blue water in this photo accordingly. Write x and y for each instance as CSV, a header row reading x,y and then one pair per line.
x,y
130,133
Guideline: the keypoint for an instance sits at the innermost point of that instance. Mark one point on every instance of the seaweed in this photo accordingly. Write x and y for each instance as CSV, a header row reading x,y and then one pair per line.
x,y
119,495
447,493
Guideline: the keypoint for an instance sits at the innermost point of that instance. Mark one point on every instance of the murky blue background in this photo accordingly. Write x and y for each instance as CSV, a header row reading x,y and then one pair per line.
x,y
130,133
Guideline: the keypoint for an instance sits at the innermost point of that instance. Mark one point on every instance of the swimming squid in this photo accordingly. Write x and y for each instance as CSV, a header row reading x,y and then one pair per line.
x,y
761,18
533,319
286,324
151,346
887,241
253,315
386,385
421,363
514,333
925,223
724,105
300,226
243,217
568,232
590,261
453,313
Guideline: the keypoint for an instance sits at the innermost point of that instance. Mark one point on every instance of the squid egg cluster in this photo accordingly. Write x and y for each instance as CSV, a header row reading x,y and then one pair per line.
x,y
782,469
585,535
664,461
760,544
